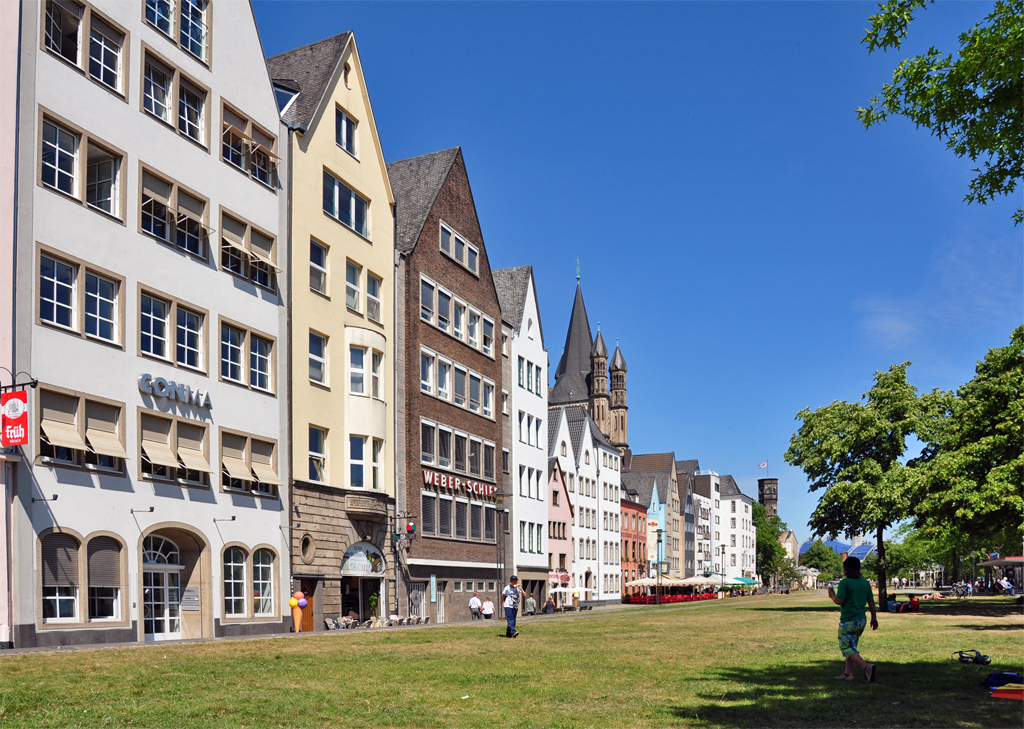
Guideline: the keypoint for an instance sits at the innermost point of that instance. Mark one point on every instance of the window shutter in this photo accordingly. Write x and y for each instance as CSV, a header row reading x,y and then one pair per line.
x,y
262,456
156,188
104,562
60,561
156,442
190,447
233,447
58,407
191,206
101,429
429,517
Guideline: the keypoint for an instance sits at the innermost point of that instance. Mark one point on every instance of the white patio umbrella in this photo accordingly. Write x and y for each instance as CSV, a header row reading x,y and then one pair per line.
x,y
644,582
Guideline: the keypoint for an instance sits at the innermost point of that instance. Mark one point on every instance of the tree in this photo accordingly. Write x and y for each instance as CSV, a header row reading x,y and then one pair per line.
x,y
969,473
972,102
771,555
852,451
823,558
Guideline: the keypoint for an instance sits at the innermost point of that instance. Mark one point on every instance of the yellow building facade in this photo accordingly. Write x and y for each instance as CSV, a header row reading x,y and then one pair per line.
x,y
341,230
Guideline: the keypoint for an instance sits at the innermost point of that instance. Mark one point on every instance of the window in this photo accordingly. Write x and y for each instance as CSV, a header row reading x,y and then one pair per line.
x,y
231,342
488,400
261,462
522,374
732,508
60,158
263,582
427,453
444,370
427,373
62,29
458,319
348,207
522,536
248,147
428,513
352,272
248,252
104,563
317,358
56,292
60,577
160,82
191,111
504,460
101,180
460,453
193,27
317,454
357,370
474,393
318,267
488,337
732,522
444,448
173,216
474,327
345,131
444,303
462,251
373,297
159,14
489,524
523,487
504,403
356,460
476,521
444,516
259,363
376,374
537,381
460,386
378,464
446,240
474,457
156,89
426,301
188,338
153,330
234,582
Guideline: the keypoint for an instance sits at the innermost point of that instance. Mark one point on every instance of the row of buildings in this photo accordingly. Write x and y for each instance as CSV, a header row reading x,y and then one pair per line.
x,y
257,357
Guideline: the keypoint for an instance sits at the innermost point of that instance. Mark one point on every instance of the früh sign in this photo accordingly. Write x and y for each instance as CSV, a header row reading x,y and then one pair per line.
x,y
453,483
14,421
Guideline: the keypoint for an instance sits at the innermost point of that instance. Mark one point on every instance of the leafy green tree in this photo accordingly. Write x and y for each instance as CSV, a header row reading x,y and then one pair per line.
x,y
771,555
972,100
852,452
823,558
970,470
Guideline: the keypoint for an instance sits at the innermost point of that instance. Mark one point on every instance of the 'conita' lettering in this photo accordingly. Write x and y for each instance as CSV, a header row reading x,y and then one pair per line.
x,y
184,394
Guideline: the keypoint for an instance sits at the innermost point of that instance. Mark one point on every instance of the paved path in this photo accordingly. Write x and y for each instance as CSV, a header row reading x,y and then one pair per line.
x,y
595,612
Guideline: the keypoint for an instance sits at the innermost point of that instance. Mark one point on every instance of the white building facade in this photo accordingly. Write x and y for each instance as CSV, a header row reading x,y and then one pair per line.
x,y
149,308
528,411
739,544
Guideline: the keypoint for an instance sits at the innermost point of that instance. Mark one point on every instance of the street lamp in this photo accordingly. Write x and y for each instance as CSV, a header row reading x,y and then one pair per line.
x,y
660,531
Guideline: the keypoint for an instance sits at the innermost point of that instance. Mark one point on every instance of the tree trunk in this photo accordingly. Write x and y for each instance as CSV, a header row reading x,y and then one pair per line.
x,y
883,592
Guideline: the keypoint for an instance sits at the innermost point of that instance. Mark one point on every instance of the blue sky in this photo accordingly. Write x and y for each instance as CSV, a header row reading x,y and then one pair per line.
x,y
753,248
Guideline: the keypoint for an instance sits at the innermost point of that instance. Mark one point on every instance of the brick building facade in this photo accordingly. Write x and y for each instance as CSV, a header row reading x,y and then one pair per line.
x,y
634,542
450,383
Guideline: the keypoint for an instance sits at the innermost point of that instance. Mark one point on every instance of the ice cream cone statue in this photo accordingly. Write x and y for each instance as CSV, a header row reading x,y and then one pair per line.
x,y
297,602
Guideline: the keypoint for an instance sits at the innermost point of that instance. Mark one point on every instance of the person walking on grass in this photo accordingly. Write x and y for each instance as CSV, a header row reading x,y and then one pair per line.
x,y
487,609
474,606
853,595
512,593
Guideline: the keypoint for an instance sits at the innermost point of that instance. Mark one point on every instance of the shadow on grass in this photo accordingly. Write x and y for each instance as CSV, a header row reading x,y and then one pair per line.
x,y
984,608
807,695
829,608
997,626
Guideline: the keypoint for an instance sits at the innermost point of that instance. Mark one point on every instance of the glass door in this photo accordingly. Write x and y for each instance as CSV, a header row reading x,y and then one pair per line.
x,y
161,604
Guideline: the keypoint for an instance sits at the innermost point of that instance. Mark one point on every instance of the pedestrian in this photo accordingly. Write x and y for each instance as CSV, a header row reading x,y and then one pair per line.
x,y
531,605
853,595
474,606
512,593
549,606
487,608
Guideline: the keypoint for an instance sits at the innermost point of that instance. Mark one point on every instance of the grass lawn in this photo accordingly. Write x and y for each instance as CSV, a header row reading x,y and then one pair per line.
x,y
749,662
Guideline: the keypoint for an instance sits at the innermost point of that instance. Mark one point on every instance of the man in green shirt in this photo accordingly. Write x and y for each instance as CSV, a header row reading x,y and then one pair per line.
x,y
853,596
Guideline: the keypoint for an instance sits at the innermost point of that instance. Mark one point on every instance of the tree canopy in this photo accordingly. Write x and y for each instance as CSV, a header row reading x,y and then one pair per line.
x,y
974,101
823,558
852,451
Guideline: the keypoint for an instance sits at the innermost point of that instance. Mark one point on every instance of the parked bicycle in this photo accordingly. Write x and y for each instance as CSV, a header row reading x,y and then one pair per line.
x,y
960,590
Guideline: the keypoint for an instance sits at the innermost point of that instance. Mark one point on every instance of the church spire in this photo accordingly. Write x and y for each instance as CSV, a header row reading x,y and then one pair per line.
x,y
573,368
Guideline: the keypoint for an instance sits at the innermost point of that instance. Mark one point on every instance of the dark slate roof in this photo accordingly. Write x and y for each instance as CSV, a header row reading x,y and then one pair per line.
x,y
618,363
512,285
599,437
554,420
552,462
729,487
661,462
599,349
689,467
416,183
643,484
574,366
577,417
310,69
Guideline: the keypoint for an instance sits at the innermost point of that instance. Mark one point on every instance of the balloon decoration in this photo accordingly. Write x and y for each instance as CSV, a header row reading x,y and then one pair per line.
x,y
297,602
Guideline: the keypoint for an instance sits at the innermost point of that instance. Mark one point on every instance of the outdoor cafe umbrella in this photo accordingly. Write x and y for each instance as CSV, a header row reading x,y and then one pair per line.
x,y
644,582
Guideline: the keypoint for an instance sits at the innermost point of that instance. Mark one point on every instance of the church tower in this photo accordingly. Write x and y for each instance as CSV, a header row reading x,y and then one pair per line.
x,y
600,403
619,432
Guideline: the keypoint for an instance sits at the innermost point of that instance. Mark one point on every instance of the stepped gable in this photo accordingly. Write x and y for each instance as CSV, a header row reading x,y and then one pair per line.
x,y
573,372
416,183
308,70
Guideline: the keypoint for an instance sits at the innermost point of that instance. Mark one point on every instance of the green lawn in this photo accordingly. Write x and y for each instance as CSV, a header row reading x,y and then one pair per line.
x,y
749,662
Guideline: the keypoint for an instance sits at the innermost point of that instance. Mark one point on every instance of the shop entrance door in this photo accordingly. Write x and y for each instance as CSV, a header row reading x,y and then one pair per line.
x,y
417,595
308,623
161,604
440,602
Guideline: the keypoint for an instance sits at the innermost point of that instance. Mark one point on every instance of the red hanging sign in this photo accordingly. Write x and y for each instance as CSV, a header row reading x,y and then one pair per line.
x,y
14,419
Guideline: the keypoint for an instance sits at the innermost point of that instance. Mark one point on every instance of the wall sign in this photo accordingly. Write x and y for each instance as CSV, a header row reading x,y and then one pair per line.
x,y
159,387
362,559
453,483
14,420
433,588
190,598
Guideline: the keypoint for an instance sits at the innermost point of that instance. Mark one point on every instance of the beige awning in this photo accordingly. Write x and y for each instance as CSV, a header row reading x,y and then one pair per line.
x,y
63,435
236,468
105,443
160,454
262,257
238,132
265,474
261,148
194,460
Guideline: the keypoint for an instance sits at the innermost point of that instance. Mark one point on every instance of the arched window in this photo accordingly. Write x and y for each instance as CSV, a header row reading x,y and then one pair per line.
x,y
586,457
263,582
60,577
234,582
104,578
157,550
563,447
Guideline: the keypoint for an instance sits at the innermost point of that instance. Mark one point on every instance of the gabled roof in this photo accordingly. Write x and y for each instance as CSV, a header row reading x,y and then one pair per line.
x,y
689,467
554,422
513,285
574,366
600,438
416,183
661,462
618,363
576,416
728,486
643,484
309,70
